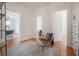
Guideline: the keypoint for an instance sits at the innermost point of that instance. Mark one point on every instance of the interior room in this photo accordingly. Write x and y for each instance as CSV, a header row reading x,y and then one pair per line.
x,y
39,29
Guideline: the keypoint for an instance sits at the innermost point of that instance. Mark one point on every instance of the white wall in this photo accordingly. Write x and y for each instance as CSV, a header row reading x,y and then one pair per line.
x,y
46,21
27,19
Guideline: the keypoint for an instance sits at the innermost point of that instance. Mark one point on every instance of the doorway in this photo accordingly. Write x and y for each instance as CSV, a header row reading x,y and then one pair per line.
x,y
59,24
13,23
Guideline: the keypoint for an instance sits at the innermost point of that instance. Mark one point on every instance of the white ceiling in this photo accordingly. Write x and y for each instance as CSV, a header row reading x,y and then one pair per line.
x,y
35,4
40,3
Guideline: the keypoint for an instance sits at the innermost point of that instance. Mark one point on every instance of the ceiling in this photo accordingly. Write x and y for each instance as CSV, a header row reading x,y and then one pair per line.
x,y
35,4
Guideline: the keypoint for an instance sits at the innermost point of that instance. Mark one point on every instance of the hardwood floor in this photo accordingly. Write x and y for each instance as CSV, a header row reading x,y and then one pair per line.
x,y
59,45
70,51
10,43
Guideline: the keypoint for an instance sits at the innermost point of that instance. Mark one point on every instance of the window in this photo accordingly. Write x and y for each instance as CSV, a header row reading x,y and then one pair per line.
x,y
39,23
8,23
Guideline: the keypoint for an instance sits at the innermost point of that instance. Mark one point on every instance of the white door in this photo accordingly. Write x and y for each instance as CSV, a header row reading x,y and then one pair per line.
x,y
14,22
60,27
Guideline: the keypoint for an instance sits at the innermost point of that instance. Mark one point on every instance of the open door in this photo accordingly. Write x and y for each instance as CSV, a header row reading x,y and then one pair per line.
x,y
60,30
13,24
